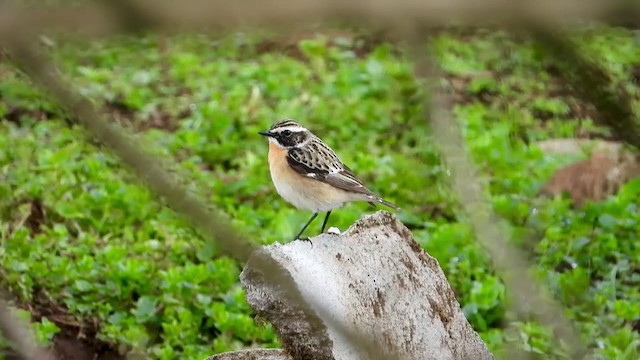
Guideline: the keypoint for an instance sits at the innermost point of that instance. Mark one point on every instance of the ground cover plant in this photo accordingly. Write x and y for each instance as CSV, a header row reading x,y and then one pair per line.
x,y
98,264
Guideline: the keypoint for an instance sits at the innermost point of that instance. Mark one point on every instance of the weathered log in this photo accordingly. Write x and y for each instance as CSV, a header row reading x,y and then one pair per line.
x,y
374,279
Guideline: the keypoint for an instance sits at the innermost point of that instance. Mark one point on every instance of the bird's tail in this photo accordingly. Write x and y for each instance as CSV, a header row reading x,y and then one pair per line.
x,y
377,199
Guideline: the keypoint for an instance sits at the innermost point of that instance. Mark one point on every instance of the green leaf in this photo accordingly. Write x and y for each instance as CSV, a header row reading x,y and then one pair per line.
x,y
145,309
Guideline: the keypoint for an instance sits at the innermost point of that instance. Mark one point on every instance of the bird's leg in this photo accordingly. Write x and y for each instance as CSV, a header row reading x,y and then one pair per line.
x,y
324,223
305,227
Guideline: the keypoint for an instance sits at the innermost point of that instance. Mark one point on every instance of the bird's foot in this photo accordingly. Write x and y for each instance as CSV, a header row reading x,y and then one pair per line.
x,y
304,239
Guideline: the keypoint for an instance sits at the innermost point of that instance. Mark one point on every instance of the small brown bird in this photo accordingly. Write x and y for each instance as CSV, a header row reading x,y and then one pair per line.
x,y
308,174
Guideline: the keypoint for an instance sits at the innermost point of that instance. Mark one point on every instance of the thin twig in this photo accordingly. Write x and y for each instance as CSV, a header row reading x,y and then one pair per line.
x,y
511,263
589,81
213,223
197,15
19,335
102,19
529,297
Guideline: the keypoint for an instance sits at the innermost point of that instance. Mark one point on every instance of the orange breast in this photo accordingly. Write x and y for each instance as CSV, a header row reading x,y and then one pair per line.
x,y
299,190
280,170
277,154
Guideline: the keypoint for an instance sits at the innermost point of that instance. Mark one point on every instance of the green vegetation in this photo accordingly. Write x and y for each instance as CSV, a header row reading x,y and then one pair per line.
x,y
83,242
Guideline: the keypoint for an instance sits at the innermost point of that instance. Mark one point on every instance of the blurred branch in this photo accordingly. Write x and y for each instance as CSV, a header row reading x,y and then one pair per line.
x,y
529,296
18,334
513,266
591,82
108,17
213,223
196,15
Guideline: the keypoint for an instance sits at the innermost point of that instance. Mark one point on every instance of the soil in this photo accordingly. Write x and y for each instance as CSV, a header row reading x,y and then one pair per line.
x,y
68,347
75,341
162,120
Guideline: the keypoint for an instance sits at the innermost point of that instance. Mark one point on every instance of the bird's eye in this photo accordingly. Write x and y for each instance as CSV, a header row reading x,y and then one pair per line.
x,y
286,133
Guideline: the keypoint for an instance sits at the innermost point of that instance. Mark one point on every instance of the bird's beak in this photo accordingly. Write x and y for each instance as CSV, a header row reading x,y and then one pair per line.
x,y
266,133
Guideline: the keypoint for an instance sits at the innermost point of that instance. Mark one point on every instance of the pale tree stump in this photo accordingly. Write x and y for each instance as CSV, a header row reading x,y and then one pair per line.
x,y
373,278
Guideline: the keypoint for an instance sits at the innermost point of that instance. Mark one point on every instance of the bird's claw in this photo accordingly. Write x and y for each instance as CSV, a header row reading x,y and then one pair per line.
x,y
305,239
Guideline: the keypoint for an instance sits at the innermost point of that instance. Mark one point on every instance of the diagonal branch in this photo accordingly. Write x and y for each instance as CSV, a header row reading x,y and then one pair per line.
x,y
213,223
511,263
107,17
18,334
591,82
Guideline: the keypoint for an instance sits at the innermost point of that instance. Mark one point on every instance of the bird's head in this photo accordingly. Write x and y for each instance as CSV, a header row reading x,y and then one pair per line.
x,y
287,134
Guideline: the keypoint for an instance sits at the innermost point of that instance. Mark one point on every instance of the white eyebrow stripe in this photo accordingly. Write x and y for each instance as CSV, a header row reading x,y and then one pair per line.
x,y
292,128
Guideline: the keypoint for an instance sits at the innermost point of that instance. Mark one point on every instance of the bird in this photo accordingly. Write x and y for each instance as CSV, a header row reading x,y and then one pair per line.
x,y
308,174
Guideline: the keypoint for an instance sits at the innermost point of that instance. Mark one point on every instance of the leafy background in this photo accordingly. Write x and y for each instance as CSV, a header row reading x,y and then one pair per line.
x,y
86,249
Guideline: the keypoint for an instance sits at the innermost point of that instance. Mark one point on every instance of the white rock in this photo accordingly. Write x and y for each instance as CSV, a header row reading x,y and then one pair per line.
x,y
373,277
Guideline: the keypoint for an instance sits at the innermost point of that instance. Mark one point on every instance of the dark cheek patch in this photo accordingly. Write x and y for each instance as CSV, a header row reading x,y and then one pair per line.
x,y
292,140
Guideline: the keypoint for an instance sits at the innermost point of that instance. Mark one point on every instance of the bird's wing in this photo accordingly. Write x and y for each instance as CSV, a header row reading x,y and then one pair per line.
x,y
319,162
